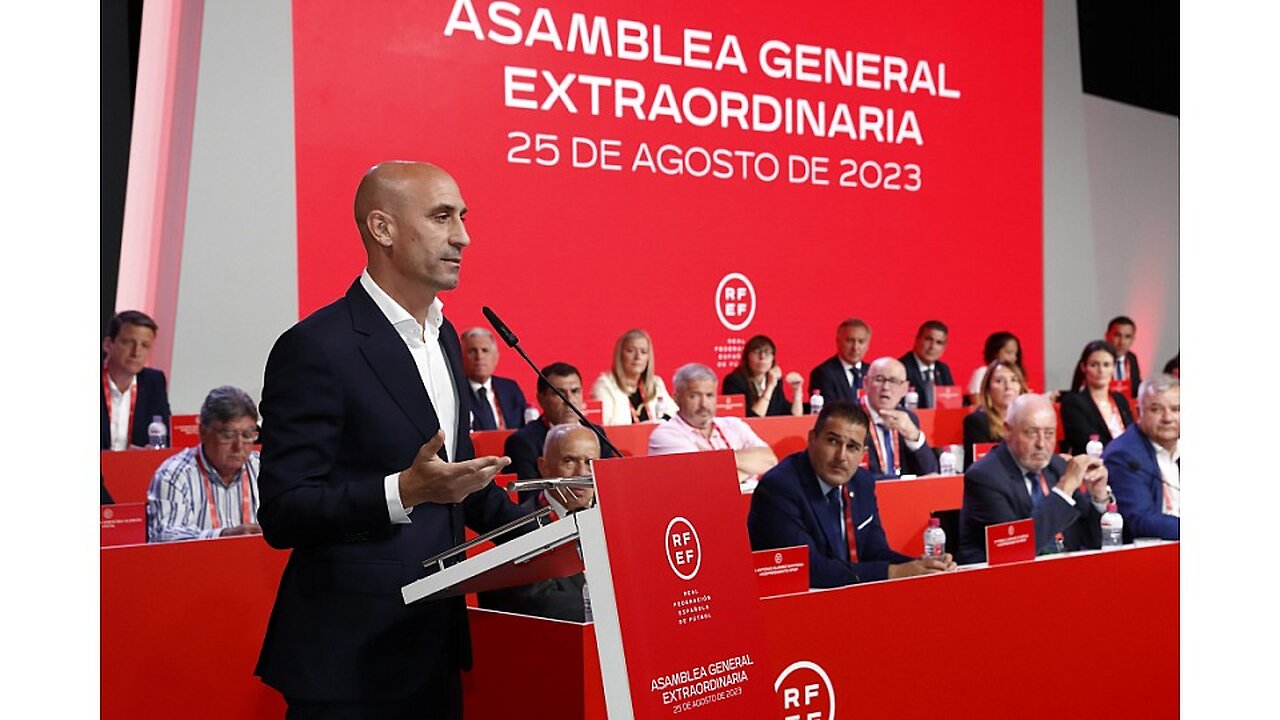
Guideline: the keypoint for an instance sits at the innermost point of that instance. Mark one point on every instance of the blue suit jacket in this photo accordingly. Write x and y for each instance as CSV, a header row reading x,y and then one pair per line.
x,y
941,375
343,406
921,461
995,491
833,381
510,400
1135,479
153,399
784,513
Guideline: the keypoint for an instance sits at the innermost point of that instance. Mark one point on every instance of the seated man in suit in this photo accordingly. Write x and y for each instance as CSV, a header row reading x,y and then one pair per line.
x,y
696,427
1120,332
895,444
525,445
1023,478
132,394
569,451
1144,463
210,490
842,375
819,497
925,369
497,403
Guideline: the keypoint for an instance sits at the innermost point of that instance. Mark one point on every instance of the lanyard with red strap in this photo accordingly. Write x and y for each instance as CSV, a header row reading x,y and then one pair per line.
x,y
245,499
877,439
133,403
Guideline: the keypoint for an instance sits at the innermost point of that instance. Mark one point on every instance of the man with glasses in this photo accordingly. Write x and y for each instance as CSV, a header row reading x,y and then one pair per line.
x,y
895,444
1023,478
210,490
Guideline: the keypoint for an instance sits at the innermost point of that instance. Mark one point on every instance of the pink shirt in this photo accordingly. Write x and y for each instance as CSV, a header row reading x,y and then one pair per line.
x,y
677,436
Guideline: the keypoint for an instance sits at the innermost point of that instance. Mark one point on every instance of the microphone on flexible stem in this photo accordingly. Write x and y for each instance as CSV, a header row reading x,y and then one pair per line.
x,y
512,341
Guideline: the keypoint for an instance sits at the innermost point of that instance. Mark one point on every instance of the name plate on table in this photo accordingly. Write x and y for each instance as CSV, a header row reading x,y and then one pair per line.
x,y
782,571
731,405
123,524
948,396
186,431
1011,542
981,449
1123,387
594,410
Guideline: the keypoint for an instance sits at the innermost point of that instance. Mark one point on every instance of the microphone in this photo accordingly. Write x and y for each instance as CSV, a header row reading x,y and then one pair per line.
x,y
513,342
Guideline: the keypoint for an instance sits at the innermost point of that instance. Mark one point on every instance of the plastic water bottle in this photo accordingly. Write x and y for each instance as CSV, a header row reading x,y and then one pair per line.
x,y
912,399
935,539
946,463
1094,447
816,402
157,433
586,603
1112,528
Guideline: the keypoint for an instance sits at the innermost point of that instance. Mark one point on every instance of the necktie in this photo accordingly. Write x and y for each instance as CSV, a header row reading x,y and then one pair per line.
x,y
483,412
850,536
888,466
1037,483
856,379
1120,369
835,518
926,389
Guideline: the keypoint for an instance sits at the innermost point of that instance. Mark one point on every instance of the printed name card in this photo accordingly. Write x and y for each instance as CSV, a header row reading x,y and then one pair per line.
x,y
594,411
123,524
1124,387
1011,542
731,405
980,450
782,571
948,396
186,431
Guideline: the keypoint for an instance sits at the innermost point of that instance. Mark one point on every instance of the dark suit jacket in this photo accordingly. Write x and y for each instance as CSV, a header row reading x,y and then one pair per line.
x,y
784,513
995,491
510,400
976,430
831,378
1134,477
1081,418
153,399
921,461
343,406
524,447
941,376
734,384
556,598
1134,373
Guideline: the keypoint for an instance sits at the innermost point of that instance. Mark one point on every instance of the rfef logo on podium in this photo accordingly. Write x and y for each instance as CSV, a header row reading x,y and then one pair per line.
x,y
805,692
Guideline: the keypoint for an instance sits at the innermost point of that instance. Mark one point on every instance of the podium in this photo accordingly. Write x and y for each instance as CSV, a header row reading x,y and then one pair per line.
x,y
672,585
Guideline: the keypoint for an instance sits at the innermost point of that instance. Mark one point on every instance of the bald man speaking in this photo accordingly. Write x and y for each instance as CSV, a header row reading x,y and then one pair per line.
x,y
368,469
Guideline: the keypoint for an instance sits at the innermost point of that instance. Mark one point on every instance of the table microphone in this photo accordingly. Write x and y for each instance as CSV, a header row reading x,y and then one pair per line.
x,y
512,341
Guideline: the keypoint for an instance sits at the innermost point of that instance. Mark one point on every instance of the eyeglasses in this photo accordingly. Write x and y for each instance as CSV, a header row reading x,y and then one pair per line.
x,y
1046,434
227,435
882,380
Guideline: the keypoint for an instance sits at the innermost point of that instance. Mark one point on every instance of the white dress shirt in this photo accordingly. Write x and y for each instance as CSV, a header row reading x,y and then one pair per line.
x,y
1172,475
120,402
433,367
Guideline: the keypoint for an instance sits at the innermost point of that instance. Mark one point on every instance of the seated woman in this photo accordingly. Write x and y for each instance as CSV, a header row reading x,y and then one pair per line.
x,y
631,392
1001,345
1091,408
1001,383
757,377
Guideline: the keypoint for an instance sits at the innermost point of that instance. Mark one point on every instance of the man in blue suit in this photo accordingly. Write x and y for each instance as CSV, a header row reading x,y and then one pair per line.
x,y
842,375
132,394
1145,463
1023,478
925,369
895,443
821,498
368,469
497,403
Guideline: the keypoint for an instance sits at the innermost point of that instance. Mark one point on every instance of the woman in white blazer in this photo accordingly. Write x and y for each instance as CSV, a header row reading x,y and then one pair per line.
x,y
630,392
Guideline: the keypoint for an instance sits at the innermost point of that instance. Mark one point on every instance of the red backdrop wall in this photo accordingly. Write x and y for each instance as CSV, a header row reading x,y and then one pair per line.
x,y
572,256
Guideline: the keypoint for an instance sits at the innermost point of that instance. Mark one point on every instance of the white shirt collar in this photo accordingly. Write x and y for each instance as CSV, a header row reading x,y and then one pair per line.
x,y
920,363
487,385
848,366
1177,449
397,315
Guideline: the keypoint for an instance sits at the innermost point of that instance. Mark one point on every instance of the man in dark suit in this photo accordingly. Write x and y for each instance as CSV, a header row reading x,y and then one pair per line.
x,y
367,469
132,394
525,445
497,403
841,376
1145,463
569,451
925,369
1120,332
1023,478
895,444
821,498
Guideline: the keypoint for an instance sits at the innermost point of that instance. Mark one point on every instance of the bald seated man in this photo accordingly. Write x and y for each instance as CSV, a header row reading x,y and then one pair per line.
x,y
368,468
569,451
896,445
1023,478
